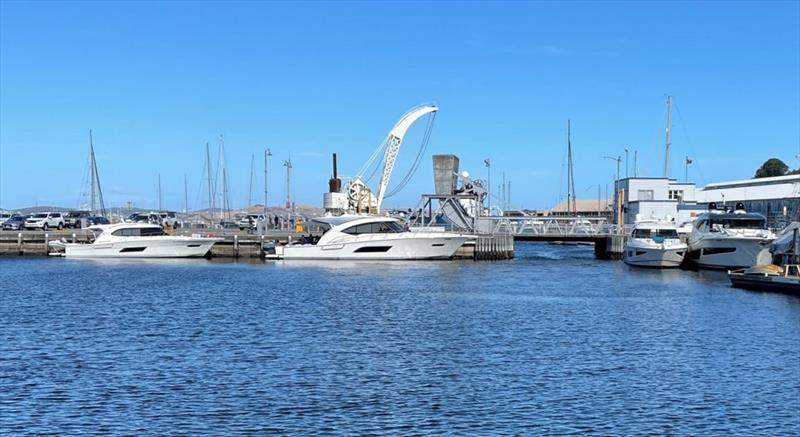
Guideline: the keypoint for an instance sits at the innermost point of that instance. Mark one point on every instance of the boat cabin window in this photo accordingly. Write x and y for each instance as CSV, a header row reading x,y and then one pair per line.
x,y
736,223
138,232
651,233
375,228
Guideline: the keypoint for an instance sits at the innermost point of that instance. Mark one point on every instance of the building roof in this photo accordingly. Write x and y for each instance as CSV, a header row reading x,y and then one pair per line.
x,y
754,182
583,205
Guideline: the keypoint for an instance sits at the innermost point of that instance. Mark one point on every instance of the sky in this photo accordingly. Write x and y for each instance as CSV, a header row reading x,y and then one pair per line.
x,y
156,81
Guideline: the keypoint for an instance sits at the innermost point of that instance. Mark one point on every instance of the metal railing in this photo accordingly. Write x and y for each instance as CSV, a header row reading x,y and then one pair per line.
x,y
549,227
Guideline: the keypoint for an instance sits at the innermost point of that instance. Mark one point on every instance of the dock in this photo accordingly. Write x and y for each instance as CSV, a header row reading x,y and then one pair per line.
x,y
235,244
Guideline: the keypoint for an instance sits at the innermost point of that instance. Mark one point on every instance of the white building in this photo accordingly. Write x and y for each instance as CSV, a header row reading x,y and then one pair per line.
x,y
777,198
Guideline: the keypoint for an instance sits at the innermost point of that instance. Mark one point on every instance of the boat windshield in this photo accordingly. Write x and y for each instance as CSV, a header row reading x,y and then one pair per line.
x,y
375,228
733,223
653,233
138,232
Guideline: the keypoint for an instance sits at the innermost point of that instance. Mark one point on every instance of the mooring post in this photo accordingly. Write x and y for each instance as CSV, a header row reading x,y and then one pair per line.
x,y
261,250
73,237
46,241
19,243
236,246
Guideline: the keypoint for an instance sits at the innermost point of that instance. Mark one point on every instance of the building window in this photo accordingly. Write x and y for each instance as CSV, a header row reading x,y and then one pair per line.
x,y
645,195
676,195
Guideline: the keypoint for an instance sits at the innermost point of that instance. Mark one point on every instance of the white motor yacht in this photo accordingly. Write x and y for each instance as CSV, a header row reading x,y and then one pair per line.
x,y
729,240
136,240
356,237
653,244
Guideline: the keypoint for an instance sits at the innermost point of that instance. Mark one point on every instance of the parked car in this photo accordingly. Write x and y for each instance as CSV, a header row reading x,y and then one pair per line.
x,y
73,218
138,217
97,220
14,223
5,216
45,221
168,218
249,221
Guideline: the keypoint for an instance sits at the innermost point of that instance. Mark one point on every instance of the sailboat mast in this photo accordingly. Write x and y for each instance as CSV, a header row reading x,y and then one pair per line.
x,y
571,204
91,170
252,175
210,190
185,194
159,192
669,136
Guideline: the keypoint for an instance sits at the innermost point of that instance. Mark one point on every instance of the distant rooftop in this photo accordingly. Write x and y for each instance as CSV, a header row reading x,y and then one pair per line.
x,y
754,182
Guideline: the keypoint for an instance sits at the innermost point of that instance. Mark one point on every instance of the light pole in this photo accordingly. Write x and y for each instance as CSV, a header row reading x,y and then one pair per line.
x,y
618,159
626,162
488,163
617,208
267,154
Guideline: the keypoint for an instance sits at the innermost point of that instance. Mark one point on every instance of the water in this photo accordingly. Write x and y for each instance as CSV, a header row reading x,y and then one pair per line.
x,y
552,342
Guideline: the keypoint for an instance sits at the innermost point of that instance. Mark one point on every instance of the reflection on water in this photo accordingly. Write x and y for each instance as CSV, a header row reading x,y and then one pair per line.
x,y
552,342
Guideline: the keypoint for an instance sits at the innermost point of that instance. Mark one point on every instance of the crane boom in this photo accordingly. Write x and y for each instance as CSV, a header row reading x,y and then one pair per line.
x,y
393,142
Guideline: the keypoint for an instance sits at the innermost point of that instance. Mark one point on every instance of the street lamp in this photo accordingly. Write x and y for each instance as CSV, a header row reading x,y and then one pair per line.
x,y
267,153
617,208
618,159
626,162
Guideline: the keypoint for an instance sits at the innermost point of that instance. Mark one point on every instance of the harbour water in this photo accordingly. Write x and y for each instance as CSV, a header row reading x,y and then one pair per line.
x,y
551,342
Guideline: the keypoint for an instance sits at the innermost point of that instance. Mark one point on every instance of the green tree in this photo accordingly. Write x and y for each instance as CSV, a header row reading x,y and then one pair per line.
x,y
771,167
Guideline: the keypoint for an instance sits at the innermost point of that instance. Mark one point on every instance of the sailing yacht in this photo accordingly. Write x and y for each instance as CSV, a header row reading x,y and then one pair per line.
x,y
654,244
358,237
135,240
722,239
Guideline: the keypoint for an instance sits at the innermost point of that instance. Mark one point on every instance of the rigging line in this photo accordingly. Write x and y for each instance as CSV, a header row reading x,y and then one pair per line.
x,y
418,160
683,126
415,165
373,157
377,164
688,140
84,182
199,188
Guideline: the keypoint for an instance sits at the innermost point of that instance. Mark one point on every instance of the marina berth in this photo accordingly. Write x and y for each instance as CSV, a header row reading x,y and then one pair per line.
x,y
135,240
654,244
359,237
768,277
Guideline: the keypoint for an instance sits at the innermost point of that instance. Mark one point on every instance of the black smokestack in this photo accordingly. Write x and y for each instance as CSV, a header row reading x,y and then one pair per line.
x,y
335,184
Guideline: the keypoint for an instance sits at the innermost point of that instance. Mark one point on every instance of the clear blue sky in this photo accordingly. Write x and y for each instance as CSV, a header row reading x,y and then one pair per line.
x,y
156,81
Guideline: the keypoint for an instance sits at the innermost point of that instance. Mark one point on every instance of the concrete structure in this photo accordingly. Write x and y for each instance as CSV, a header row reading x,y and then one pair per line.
x,y
777,198
583,208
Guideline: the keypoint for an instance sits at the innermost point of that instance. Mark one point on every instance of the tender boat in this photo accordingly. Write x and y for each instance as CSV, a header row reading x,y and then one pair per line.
x,y
726,240
654,245
357,237
785,279
135,240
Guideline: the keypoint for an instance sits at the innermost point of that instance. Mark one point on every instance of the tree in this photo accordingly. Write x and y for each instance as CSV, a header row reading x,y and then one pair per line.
x,y
771,167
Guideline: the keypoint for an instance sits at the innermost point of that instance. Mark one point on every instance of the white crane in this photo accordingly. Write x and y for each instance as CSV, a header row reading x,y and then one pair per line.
x,y
358,192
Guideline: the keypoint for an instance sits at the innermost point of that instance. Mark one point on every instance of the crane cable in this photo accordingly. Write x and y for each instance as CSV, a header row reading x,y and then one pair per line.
x,y
418,160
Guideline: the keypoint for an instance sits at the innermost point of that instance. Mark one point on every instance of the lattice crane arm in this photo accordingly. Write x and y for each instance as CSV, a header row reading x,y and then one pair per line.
x,y
393,142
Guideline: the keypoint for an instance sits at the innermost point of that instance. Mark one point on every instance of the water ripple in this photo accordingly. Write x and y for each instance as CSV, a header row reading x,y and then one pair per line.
x,y
551,343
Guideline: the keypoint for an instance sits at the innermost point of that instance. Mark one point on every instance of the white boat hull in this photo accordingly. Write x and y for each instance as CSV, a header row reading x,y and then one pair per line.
x,y
655,257
143,247
402,247
729,252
